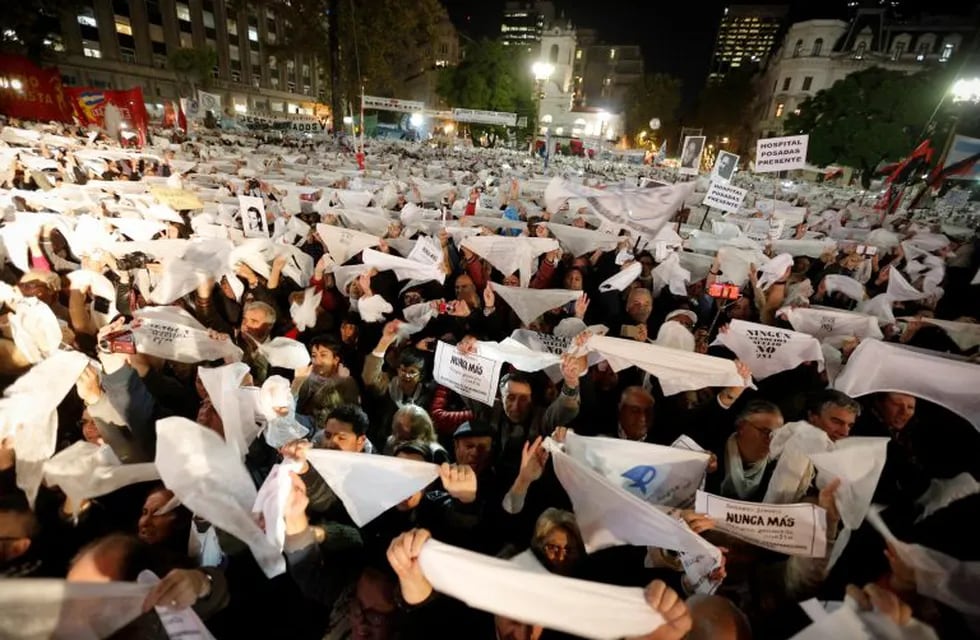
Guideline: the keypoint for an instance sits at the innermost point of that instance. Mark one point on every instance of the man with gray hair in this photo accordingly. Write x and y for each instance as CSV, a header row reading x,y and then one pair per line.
x,y
834,413
258,319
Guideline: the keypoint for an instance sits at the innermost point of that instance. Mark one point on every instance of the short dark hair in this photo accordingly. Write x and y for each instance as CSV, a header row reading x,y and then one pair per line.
x,y
411,357
755,407
415,447
517,376
353,415
326,342
828,397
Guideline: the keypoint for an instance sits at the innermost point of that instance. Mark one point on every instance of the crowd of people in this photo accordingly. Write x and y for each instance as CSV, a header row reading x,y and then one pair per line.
x,y
251,412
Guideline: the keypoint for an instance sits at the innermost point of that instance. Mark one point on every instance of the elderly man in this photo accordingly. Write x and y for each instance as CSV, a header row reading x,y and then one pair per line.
x,y
258,318
746,467
834,413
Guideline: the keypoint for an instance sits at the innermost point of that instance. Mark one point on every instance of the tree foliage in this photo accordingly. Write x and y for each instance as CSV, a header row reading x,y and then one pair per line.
x,y
33,27
656,95
489,77
194,65
868,117
724,110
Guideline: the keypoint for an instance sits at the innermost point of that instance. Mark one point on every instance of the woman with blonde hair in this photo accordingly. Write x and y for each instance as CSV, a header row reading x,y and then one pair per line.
x,y
557,541
412,422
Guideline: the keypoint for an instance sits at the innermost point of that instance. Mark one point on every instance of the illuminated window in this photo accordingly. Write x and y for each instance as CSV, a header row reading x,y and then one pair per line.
x,y
612,54
780,107
253,34
123,26
947,52
208,20
183,12
87,18
232,27
91,49
578,54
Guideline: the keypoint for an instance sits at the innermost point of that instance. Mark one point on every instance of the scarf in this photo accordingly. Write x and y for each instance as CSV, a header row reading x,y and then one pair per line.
x,y
740,480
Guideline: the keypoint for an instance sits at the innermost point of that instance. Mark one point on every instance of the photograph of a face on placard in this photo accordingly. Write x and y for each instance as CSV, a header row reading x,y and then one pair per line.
x,y
725,166
691,154
252,211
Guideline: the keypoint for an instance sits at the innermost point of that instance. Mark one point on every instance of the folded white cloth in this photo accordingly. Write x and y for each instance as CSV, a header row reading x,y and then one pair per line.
x,y
304,313
767,350
35,329
623,279
671,273
529,304
899,289
285,352
208,476
675,370
774,270
508,589
824,322
369,485
404,268
85,470
880,366
271,500
579,242
343,243
237,411
848,286
510,254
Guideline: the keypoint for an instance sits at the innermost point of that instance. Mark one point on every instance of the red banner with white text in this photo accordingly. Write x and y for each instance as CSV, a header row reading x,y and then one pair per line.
x,y
30,92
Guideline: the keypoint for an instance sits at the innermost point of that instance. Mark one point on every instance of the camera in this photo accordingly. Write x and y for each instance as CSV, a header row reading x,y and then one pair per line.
x,y
131,261
724,291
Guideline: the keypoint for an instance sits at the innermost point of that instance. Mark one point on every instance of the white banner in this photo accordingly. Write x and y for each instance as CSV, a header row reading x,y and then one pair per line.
x,y
724,196
502,118
392,104
781,154
794,529
209,102
469,375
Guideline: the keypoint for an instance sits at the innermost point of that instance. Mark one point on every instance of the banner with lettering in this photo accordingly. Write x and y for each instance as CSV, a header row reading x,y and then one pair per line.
x,y
88,106
794,529
660,475
31,93
469,375
181,343
781,154
724,196
767,350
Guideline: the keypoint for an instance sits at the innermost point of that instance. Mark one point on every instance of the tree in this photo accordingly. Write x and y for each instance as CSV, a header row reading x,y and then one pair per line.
x,y
194,66
33,27
868,117
656,95
490,77
377,45
723,110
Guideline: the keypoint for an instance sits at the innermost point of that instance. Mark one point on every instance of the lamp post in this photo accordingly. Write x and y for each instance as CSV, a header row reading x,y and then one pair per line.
x,y
542,72
963,91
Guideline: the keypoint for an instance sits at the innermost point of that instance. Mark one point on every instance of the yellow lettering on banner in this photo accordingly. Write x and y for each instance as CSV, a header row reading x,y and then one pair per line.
x,y
176,199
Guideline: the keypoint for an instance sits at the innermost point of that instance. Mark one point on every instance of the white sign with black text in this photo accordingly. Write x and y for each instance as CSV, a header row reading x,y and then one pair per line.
x,y
794,529
781,154
470,375
724,196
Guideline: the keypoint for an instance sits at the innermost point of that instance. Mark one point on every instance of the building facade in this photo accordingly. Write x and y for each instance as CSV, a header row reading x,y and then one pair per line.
x,y
815,54
524,22
122,44
747,34
443,51
605,73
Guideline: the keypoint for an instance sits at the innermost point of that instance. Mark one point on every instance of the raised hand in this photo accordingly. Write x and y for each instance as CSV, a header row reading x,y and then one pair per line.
x,y
459,480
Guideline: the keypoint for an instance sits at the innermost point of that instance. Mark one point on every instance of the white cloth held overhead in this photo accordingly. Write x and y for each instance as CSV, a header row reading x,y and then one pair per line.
x,y
623,279
767,350
285,353
510,254
272,498
529,304
85,470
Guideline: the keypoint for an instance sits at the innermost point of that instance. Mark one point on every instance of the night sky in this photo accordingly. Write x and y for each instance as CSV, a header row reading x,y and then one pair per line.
x,y
676,36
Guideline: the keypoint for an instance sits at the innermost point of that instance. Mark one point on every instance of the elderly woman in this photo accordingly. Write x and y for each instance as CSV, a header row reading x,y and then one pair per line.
x,y
557,542
412,423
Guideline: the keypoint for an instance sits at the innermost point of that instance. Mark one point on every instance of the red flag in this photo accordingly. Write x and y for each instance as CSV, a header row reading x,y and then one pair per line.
x,y
89,106
31,93
181,118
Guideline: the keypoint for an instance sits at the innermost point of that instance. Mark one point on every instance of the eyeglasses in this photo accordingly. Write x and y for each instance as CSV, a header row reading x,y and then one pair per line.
x,y
373,618
765,433
558,551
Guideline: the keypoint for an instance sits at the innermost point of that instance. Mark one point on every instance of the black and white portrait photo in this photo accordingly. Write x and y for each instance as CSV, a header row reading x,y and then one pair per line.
x,y
725,166
252,211
691,154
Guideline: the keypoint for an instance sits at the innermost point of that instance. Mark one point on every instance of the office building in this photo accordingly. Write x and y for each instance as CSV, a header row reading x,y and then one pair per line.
x,y
607,72
817,53
128,43
746,36
524,22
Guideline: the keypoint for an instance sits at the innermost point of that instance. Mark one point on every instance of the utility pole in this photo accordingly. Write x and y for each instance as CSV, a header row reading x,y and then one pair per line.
x,y
333,36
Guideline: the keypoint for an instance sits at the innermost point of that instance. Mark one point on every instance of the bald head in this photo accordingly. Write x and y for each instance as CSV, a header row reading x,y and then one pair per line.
x,y
716,618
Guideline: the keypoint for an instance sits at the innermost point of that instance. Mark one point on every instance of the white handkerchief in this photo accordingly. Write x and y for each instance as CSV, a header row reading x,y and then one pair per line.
x,y
774,270
272,498
669,273
209,478
823,322
579,242
585,609
368,484
304,313
767,350
510,254
342,243
858,462
35,329
848,286
512,351
223,385
28,414
899,288
373,308
404,268
622,279
285,352
877,366
529,304
792,445
675,370
85,470
656,474
184,623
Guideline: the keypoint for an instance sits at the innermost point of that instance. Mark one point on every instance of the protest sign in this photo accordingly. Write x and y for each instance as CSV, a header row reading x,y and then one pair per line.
x,y
39,95
252,210
173,341
691,150
781,154
724,196
391,104
724,167
793,529
176,199
469,375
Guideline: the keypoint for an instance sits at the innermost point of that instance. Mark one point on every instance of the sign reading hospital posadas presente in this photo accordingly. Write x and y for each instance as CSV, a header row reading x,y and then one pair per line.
x,y
479,116
468,374
392,104
724,196
781,154
794,529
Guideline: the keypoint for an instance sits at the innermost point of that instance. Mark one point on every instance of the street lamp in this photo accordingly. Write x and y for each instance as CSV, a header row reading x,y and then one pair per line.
x,y
542,72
